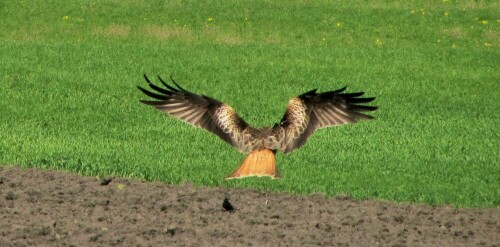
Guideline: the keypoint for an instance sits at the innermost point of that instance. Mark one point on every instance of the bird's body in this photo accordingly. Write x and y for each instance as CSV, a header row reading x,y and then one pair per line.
x,y
261,138
304,115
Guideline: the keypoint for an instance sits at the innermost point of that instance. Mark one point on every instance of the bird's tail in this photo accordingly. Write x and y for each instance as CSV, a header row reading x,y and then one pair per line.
x,y
258,163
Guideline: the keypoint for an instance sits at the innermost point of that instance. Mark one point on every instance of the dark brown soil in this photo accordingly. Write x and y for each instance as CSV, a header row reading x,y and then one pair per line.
x,y
52,208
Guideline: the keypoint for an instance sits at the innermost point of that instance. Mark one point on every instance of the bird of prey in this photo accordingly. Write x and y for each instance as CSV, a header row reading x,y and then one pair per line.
x,y
304,115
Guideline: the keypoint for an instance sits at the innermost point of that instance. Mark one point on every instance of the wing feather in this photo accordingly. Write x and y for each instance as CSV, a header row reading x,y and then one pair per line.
x,y
311,111
200,111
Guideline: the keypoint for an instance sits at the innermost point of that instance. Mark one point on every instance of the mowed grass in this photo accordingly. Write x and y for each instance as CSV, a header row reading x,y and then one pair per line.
x,y
68,97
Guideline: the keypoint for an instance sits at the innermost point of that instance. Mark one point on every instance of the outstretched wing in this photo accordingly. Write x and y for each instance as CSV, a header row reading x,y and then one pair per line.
x,y
200,111
311,111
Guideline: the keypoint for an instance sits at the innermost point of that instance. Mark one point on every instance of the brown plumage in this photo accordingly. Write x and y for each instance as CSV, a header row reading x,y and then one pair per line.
x,y
304,115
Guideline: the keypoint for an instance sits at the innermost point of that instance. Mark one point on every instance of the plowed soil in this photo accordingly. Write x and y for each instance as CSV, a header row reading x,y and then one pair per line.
x,y
53,208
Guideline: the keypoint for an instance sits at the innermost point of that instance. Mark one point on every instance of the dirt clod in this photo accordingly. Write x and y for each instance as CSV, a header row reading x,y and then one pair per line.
x,y
10,196
171,230
106,181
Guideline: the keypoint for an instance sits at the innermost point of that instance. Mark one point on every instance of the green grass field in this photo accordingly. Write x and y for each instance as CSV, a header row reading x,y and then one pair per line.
x,y
69,101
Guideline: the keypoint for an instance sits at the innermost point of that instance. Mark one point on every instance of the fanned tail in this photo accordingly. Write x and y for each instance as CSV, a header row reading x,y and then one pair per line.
x,y
258,163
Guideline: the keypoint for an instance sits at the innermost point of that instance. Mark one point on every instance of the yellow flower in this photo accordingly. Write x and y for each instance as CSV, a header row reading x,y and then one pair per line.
x,y
65,17
338,24
120,186
378,42
484,22
445,13
210,19
453,46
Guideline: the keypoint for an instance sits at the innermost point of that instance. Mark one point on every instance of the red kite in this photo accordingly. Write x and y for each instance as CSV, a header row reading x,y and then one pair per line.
x,y
304,115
